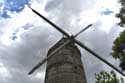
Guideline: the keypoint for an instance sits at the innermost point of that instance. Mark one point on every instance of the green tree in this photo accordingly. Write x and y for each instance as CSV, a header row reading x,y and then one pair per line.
x,y
121,14
118,50
107,77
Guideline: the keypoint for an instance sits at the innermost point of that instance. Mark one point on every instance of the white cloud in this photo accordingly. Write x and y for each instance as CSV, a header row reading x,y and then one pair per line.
x,y
4,73
93,16
40,75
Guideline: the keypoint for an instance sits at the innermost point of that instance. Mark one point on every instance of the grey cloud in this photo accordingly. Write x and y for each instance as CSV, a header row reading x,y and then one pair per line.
x,y
71,6
52,5
66,10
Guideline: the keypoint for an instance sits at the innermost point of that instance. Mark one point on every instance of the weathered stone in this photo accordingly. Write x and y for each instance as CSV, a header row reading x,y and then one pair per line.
x,y
66,65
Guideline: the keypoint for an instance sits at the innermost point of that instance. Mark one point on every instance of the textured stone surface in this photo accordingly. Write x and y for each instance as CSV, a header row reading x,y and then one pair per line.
x,y
66,65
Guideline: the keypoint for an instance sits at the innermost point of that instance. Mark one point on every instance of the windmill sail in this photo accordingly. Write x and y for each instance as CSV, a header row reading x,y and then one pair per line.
x,y
79,43
56,50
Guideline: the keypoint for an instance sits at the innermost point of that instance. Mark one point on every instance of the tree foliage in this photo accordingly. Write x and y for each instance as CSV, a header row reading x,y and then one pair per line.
x,y
118,49
106,77
121,14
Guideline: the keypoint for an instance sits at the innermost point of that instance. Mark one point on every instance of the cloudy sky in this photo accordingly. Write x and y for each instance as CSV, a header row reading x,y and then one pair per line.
x,y
25,38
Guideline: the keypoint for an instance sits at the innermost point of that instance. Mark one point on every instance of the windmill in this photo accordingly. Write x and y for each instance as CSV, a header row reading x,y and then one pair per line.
x,y
69,39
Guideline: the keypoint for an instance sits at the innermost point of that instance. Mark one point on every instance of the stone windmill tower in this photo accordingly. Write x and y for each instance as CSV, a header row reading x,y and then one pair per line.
x,y
66,65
